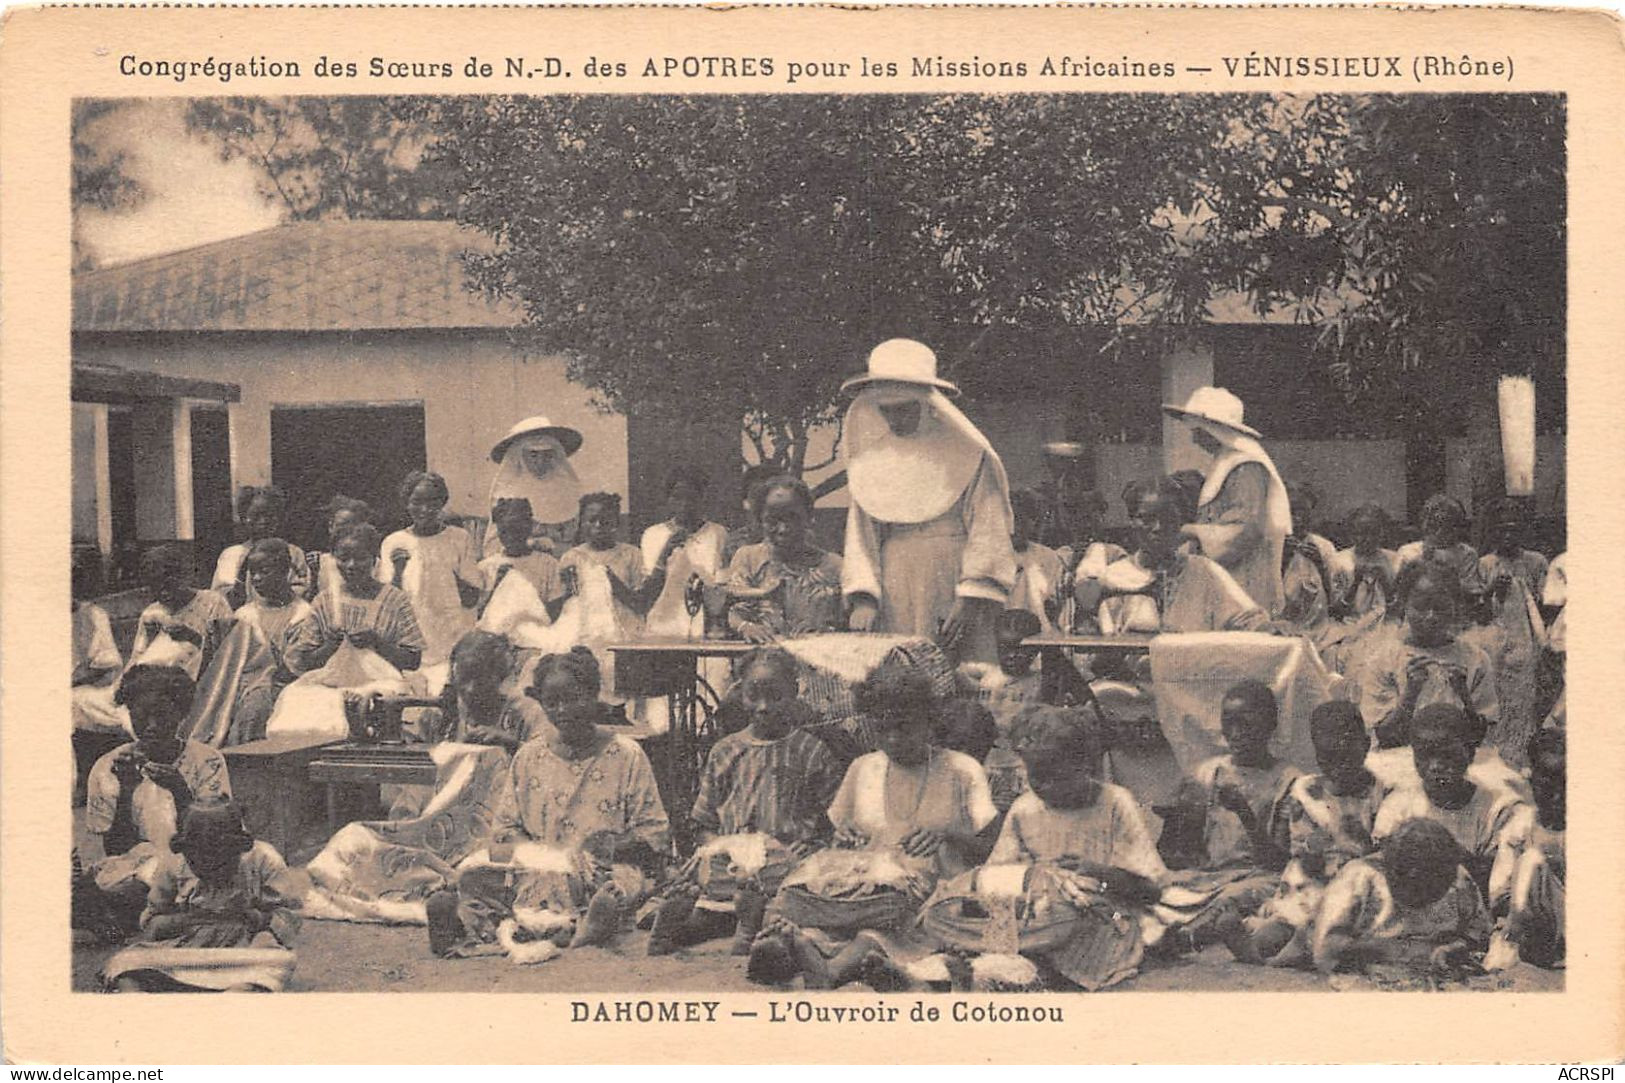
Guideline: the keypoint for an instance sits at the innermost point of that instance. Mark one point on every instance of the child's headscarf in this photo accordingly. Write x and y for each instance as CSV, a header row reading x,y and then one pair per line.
x,y
916,478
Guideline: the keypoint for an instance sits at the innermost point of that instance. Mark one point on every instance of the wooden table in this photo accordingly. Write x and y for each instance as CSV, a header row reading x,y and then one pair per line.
x,y
368,764
670,667
270,780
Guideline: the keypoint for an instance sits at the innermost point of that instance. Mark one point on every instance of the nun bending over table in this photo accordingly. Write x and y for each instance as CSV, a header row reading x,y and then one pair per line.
x,y
928,549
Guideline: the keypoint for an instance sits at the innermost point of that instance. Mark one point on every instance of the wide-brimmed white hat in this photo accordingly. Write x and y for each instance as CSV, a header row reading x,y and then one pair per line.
x,y
1215,406
567,437
901,361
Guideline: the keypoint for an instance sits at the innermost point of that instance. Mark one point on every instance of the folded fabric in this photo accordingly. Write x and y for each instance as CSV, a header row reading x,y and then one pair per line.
x,y
1191,672
206,968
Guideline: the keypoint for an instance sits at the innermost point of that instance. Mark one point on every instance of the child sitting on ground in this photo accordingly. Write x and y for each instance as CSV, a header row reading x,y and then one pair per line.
x,y
138,794
1228,816
1482,819
1411,905
1329,820
1534,925
1093,858
218,888
577,833
768,779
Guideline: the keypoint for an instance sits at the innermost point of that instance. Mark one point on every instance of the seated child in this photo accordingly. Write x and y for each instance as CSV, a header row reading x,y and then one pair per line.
x,y
576,835
1228,818
904,817
218,889
1096,873
515,527
1443,545
965,725
261,510
1008,690
632,587
274,612
1482,819
481,704
768,781
784,586
1428,662
1534,925
364,612
138,794
96,664
1412,905
342,511
1041,577
1329,820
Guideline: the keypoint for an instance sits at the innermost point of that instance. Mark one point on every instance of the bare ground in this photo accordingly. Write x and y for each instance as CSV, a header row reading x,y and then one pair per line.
x,y
353,958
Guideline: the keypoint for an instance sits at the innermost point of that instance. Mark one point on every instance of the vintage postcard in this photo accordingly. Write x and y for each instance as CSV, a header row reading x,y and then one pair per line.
x,y
812,534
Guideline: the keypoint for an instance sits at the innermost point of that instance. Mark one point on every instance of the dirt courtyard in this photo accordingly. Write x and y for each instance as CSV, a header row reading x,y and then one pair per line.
x,y
352,958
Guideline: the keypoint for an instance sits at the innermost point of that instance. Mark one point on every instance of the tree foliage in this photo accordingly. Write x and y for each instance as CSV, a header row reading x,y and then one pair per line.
x,y
741,254
358,157
100,175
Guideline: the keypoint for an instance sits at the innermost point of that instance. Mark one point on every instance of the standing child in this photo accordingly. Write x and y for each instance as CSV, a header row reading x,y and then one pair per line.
x,y
697,554
1412,905
219,913
1236,803
766,780
138,794
1329,819
261,511
433,562
1427,662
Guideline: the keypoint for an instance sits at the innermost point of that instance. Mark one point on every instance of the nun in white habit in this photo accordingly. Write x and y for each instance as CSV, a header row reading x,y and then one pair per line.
x,y
928,548
533,462
1243,515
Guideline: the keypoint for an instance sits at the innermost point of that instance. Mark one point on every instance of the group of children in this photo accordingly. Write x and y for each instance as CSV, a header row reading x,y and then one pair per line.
x,y
978,838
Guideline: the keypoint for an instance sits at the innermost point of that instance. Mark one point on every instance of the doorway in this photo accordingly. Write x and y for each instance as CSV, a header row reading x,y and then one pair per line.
x,y
362,450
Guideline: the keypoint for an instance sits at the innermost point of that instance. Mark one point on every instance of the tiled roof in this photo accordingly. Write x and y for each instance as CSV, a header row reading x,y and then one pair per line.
x,y
309,276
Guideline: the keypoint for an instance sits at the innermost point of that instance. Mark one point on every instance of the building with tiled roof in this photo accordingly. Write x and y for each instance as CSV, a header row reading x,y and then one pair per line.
x,y
346,275
325,357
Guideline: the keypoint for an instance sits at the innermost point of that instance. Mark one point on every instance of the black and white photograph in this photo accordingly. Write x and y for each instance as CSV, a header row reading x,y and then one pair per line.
x,y
641,546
